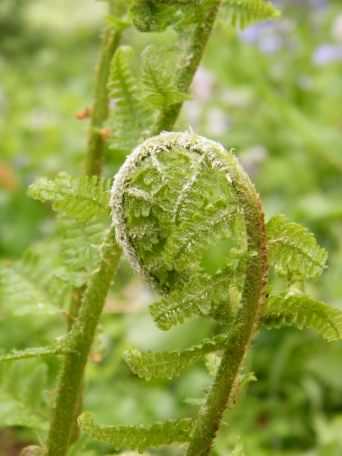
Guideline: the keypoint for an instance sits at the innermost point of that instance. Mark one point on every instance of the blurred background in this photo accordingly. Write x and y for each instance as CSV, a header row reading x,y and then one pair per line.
x,y
273,92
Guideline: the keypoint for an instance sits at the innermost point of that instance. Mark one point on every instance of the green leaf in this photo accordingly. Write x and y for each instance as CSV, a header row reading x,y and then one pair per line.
x,y
159,85
242,12
167,365
302,312
79,248
31,285
138,437
128,118
78,198
293,249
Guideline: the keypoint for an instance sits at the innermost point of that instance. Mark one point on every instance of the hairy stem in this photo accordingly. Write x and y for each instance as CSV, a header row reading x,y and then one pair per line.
x,y
188,65
223,390
96,141
82,337
95,151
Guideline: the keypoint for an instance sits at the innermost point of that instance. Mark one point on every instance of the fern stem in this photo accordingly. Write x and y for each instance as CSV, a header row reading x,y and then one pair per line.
x,y
188,65
96,142
82,336
95,151
223,391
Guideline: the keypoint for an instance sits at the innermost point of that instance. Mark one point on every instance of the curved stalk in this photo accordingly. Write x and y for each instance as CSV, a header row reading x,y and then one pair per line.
x,y
188,65
82,336
222,393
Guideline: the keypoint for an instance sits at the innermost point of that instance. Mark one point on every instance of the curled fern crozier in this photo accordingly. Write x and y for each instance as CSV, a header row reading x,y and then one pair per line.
x,y
178,218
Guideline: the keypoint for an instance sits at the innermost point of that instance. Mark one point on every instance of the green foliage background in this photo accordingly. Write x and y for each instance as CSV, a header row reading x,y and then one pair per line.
x,y
263,92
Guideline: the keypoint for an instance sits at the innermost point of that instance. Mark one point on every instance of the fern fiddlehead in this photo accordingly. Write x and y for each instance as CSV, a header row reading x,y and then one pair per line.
x,y
178,197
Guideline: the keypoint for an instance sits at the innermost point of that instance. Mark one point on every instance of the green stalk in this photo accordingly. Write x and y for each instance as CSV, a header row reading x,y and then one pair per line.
x,y
82,336
223,391
96,141
188,65
95,152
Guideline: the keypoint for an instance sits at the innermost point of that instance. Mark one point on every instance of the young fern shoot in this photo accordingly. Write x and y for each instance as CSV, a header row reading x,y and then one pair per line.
x,y
178,198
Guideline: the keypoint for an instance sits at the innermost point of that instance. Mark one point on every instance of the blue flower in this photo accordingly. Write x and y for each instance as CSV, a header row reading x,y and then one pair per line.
x,y
327,53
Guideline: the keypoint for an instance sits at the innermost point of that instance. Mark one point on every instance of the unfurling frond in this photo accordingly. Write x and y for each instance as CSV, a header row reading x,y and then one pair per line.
x,y
176,215
167,365
243,12
302,312
128,117
31,285
78,198
159,86
138,437
293,250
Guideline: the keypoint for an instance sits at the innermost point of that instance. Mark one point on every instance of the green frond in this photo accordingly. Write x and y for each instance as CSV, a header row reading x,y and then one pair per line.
x,y
138,437
243,12
302,312
79,248
167,365
31,285
78,198
128,117
293,249
159,87
38,352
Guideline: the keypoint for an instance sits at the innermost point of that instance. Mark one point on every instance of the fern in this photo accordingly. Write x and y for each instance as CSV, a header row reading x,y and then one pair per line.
x,y
167,365
79,248
31,285
159,87
80,199
243,12
293,249
138,437
304,312
129,117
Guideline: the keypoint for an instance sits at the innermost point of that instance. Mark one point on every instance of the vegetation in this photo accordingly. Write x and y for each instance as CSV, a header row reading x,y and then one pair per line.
x,y
189,219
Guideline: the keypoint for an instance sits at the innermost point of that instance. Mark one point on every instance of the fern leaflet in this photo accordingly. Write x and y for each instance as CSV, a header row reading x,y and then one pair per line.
x,y
304,312
31,285
160,89
293,249
167,365
138,437
80,244
243,12
79,198
129,117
